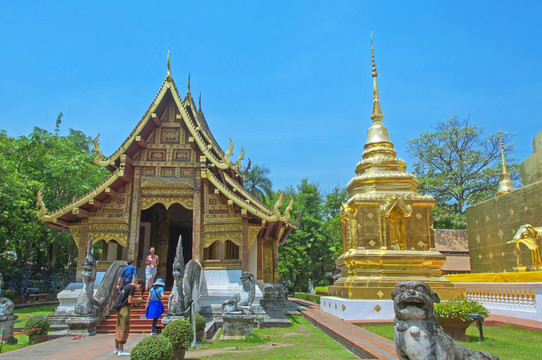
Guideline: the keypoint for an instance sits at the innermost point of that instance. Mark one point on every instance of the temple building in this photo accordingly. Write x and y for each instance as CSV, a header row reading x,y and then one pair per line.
x,y
171,178
388,229
496,242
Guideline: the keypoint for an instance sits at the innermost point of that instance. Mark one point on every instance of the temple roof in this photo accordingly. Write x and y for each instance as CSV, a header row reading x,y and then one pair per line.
x,y
216,165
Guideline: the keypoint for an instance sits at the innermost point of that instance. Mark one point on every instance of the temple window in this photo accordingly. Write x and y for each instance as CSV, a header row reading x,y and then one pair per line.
x,y
231,250
211,252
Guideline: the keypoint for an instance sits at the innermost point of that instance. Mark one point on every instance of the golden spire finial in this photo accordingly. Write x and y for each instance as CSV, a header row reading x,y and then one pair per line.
x,y
374,73
168,75
189,83
504,171
377,112
199,102
505,185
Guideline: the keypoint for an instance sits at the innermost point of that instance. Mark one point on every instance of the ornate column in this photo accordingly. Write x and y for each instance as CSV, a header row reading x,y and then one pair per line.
x,y
197,215
82,243
244,246
135,215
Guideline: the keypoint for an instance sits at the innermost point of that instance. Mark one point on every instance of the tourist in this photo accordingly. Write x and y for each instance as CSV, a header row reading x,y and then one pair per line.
x,y
151,263
123,316
128,275
154,306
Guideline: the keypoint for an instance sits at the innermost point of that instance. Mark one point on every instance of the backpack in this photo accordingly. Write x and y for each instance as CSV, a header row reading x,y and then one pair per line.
x,y
119,303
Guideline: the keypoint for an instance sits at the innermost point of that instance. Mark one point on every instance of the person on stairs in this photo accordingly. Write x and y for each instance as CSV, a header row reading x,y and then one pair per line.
x,y
128,275
151,263
123,316
154,306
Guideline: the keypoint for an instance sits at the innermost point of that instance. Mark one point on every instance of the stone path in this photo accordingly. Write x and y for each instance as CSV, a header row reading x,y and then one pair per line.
x,y
362,343
99,347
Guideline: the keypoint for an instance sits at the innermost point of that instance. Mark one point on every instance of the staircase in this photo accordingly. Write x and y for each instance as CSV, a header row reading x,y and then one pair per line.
x,y
138,322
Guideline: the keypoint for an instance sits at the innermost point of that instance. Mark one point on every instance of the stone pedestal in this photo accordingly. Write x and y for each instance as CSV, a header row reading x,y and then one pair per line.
x,y
236,326
6,326
167,319
82,325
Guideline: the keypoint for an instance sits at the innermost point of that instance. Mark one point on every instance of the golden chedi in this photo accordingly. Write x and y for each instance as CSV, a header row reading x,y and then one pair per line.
x,y
387,224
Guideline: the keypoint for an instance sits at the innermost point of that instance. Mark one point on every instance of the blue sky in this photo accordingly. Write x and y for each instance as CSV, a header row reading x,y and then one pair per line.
x,y
288,80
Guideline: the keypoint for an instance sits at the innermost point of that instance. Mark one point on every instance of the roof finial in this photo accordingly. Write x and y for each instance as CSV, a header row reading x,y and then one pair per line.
x,y
199,102
374,73
377,112
504,171
189,83
168,75
505,185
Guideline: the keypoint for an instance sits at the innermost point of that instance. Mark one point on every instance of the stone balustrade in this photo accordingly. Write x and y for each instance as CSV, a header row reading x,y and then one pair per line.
x,y
517,300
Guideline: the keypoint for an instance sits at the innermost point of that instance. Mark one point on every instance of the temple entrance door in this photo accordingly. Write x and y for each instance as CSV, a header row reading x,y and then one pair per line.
x,y
174,232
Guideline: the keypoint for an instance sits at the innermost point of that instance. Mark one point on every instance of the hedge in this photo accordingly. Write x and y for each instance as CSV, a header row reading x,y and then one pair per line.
x,y
307,296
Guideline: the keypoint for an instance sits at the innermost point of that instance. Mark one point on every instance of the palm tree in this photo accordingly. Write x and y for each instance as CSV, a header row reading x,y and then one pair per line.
x,y
258,182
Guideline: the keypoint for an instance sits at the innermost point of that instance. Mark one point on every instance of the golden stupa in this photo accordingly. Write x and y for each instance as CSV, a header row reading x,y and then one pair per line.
x,y
387,224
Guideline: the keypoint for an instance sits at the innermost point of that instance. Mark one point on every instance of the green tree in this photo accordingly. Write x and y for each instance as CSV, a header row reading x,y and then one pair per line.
x,y
258,182
332,227
64,166
460,167
310,252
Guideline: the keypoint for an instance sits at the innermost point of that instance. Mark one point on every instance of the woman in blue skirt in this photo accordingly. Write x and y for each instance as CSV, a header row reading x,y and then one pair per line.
x,y
155,308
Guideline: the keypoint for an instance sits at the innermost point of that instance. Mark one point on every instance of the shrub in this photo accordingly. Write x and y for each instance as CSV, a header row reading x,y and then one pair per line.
x,y
152,347
309,297
321,290
13,295
41,323
200,322
460,307
179,333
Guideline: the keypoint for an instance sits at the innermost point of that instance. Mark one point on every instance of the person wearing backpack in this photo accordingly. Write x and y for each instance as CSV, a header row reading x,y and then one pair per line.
x,y
154,306
128,275
122,305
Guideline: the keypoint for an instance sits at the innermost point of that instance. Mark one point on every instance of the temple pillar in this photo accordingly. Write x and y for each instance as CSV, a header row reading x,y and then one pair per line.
x,y
244,246
135,216
259,252
197,215
82,248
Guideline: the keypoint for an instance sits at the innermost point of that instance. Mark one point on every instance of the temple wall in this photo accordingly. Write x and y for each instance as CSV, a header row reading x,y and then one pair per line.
x,y
492,223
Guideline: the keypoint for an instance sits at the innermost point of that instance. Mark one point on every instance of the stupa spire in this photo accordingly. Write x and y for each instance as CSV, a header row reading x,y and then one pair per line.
x,y
377,112
168,75
377,132
505,185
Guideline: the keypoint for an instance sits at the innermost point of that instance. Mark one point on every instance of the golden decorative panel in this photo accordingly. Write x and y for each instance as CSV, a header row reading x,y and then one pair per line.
x,y
156,155
211,237
186,202
181,155
170,135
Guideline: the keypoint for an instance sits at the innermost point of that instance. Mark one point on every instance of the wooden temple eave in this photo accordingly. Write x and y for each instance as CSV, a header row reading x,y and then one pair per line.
x,y
76,210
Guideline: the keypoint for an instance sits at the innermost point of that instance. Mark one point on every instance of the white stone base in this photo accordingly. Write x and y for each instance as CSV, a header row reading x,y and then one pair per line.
x,y
218,285
357,309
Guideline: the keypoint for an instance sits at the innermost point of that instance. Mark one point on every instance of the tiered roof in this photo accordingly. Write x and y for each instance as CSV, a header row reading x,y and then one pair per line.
x,y
216,166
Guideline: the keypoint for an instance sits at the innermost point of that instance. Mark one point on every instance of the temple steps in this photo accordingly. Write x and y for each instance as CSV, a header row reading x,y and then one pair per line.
x,y
138,322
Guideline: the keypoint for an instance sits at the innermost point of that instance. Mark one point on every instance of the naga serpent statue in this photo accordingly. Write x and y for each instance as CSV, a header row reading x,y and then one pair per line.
x,y
185,285
242,303
86,303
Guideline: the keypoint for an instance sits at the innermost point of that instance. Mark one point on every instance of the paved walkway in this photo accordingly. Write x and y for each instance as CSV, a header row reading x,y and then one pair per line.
x,y
362,343
98,347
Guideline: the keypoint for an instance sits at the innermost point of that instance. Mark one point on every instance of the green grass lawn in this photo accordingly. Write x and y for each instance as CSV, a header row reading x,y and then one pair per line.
x,y
23,314
301,341
506,342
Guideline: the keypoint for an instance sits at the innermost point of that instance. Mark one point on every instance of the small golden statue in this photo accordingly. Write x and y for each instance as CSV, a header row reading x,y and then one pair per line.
x,y
528,235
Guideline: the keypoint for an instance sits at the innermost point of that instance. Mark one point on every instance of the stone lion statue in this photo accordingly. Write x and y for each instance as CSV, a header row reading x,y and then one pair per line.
x,y
241,303
418,335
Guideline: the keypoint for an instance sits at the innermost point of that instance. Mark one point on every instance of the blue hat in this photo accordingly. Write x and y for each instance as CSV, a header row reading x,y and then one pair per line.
x,y
159,282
